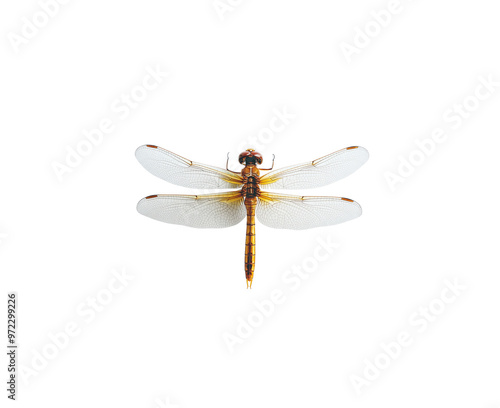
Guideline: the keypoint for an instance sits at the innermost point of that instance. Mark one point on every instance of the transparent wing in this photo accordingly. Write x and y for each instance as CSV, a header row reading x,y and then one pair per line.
x,y
201,211
183,172
319,172
303,212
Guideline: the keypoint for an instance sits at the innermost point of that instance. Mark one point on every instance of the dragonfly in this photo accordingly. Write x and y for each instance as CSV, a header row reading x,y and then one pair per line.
x,y
247,196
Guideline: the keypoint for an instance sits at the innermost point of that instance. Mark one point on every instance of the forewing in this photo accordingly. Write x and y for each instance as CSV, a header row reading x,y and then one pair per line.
x,y
197,211
304,212
319,172
183,172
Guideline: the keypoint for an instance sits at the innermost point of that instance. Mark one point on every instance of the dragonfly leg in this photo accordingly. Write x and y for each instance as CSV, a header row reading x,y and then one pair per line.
x,y
227,165
271,166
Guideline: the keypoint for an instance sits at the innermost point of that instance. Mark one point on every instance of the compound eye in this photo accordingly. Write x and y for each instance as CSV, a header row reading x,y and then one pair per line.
x,y
258,157
243,157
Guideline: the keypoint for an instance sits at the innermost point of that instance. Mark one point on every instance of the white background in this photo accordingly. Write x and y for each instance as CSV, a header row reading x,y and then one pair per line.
x,y
163,336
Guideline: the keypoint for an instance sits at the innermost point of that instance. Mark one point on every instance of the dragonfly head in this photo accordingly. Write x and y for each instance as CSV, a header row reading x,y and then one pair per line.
x,y
250,156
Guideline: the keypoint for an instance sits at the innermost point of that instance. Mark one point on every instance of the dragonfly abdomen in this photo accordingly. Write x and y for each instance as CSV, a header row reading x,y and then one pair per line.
x,y
251,191
250,204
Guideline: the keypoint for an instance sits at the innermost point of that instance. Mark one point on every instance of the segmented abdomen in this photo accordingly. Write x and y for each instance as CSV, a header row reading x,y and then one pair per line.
x,y
250,204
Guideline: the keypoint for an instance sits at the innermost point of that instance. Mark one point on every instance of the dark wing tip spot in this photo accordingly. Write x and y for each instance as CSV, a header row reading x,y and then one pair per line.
x,y
152,146
152,196
352,147
347,199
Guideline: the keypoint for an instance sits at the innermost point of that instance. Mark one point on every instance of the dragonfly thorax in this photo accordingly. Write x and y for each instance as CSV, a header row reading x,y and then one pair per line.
x,y
250,170
251,179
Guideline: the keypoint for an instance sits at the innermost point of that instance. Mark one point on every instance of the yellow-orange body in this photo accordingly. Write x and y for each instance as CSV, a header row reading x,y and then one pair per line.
x,y
250,191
